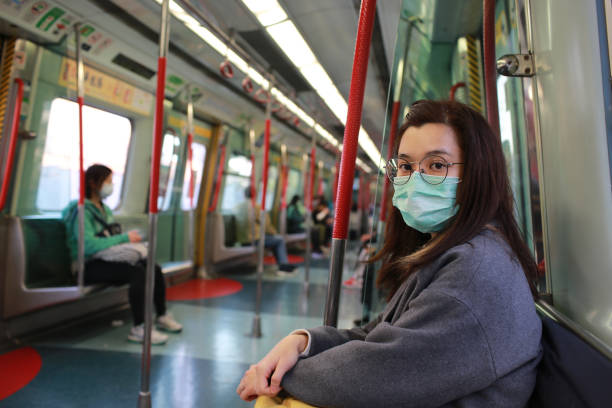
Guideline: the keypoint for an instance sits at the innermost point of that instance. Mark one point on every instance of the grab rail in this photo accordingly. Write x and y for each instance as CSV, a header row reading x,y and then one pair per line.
x,y
349,156
584,334
144,396
8,168
80,82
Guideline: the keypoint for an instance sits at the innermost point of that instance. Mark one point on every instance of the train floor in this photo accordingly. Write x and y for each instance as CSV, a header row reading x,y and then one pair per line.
x,y
93,365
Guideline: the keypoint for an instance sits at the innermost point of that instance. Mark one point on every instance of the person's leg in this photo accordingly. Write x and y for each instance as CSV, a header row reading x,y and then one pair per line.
x,y
120,273
277,244
316,242
159,293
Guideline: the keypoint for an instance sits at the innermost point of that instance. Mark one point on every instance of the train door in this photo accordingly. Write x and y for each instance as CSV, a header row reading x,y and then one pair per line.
x,y
179,186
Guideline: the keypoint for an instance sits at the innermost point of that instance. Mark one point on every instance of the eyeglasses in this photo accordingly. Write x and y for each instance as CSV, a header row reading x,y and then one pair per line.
x,y
397,168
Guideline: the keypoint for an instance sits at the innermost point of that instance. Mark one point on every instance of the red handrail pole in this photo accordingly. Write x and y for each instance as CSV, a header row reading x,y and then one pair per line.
x,y
349,155
266,162
158,125
392,135
285,175
8,168
353,121
144,396
453,90
221,165
490,73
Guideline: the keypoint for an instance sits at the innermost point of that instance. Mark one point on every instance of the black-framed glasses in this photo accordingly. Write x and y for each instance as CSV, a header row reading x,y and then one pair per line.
x,y
433,169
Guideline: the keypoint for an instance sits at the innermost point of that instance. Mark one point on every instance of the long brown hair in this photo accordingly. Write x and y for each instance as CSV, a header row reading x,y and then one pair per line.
x,y
484,197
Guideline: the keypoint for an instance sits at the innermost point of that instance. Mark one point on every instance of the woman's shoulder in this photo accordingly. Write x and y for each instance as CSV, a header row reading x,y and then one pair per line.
x,y
485,260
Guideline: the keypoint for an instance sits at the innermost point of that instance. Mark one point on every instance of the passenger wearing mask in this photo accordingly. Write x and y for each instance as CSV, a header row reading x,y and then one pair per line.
x,y
246,217
116,258
295,216
460,328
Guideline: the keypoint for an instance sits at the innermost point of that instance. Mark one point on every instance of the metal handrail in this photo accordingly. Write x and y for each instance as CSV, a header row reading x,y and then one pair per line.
x,y
256,329
585,335
220,166
8,168
80,88
144,396
349,156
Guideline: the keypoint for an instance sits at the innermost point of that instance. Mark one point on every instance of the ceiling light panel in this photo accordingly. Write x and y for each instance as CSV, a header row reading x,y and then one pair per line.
x,y
292,43
270,11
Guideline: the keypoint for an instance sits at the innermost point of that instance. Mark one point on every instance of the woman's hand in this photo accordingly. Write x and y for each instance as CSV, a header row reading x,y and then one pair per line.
x,y
134,236
272,367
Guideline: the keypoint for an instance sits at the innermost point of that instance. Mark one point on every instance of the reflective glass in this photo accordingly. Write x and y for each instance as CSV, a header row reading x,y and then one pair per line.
x,y
167,169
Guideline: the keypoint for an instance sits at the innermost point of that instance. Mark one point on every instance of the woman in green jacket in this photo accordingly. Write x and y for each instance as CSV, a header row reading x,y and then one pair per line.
x,y
101,234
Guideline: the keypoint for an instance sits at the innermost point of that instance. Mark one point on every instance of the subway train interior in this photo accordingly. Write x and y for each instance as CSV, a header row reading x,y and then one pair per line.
x,y
211,116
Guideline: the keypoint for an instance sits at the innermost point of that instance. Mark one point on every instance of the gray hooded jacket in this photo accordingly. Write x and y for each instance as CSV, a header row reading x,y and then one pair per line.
x,y
460,332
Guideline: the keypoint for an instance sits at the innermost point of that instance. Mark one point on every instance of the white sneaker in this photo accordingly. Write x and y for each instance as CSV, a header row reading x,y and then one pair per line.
x,y
167,323
136,335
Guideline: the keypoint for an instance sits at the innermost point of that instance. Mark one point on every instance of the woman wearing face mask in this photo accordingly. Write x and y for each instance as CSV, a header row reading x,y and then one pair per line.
x,y
101,236
460,328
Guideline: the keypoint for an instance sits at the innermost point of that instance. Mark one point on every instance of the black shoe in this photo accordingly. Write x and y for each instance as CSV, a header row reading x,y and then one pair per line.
x,y
286,268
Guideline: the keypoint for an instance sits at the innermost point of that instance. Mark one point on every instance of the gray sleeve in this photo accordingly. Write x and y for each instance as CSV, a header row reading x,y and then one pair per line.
x,y
325,337
435,353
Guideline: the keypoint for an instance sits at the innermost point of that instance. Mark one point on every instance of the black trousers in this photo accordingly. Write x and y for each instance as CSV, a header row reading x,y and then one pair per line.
x,y
120,273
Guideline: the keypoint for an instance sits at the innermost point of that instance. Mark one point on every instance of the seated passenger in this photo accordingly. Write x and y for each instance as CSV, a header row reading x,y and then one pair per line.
x,y
460,328
295,216
247,223
322,219
109,258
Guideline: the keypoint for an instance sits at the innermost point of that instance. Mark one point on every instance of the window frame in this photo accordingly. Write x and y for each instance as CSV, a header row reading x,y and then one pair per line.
x,y
103,108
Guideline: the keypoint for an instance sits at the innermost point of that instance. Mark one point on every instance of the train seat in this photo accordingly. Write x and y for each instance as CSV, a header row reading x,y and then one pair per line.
x,y
46,253
571,373
292,238
224,245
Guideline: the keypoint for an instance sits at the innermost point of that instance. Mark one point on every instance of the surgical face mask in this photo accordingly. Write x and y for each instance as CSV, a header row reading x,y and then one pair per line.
x,y
106,190
426,207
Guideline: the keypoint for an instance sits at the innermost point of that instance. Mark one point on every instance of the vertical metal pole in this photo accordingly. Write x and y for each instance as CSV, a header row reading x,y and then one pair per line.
x,y
144,397
349,155
80,85
308,202
284,179
256,331
253,182
490,73
190,169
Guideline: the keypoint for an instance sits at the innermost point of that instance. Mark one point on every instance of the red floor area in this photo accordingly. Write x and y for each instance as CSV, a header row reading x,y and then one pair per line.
x,y
17,369
203,288
293,259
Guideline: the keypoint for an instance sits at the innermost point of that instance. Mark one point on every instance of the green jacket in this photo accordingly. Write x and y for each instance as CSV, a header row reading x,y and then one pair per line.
x,y
93,227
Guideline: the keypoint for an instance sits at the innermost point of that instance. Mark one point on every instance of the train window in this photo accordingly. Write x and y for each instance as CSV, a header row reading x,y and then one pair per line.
x,y
233,192
240,165
293,185
237,179
270,188
106,139
167,169
198,157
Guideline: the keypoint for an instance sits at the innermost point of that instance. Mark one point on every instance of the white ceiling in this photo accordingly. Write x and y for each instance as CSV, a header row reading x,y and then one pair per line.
x,y
329,27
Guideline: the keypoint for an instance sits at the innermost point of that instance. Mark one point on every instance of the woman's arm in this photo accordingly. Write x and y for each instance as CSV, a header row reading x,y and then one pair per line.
x,y
436,352
94,243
